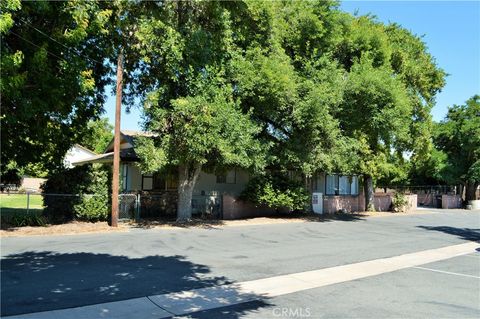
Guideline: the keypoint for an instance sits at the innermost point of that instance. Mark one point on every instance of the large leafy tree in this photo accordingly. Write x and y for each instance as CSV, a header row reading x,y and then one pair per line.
x,y
391,82
183,53
53,77
458,137
291,84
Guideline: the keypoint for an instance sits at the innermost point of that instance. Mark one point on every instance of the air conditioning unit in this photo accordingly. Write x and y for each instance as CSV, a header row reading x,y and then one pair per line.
x,y
317,203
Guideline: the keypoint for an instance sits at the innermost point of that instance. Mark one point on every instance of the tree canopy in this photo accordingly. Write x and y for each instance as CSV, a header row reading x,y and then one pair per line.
x,y
458,138
289,85
53,77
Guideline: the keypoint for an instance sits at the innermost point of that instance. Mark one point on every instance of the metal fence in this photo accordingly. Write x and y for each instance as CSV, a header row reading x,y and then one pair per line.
x,y
422,189
207,206
131,206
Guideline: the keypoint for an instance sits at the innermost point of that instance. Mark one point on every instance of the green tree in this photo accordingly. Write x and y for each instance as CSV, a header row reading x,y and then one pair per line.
x,y
458,136
185,49
291,85
52,79
201,131
391,82
97,136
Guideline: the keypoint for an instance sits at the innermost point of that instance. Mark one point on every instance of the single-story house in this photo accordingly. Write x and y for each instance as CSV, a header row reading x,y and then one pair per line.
x,y
215,194
77,153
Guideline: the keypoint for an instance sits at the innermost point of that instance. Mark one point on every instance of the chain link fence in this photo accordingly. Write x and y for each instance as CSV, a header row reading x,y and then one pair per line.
x,y
421,189
59,207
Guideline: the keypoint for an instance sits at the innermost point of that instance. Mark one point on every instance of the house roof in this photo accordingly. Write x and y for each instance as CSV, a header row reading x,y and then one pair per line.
x,y
128,136
85,149
126,155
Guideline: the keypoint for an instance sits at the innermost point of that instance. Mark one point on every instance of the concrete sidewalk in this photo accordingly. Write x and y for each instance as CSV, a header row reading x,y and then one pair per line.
x,y
185,302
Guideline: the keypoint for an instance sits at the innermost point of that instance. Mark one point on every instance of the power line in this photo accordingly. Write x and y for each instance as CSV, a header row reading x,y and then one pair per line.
x,y
58,42
53,54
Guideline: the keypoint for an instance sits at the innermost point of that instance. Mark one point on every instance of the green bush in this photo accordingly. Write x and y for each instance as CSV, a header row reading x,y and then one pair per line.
x,y
399,202
92,208
68,194
21,220
276,191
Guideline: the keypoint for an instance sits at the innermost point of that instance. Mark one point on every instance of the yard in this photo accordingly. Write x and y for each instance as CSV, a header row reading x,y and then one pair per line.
x,y
20,201
19,206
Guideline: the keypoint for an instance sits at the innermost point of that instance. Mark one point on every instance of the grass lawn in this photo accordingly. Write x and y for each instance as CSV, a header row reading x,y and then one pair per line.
x,y
14,204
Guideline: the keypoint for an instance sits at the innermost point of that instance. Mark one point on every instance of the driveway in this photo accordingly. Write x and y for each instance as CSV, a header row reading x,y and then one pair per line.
x,y
55,272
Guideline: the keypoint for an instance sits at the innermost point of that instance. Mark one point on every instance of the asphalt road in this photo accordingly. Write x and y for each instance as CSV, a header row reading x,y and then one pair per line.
x,y
55,272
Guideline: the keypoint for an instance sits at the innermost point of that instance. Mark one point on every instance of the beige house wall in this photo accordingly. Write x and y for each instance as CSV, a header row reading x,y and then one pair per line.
x,y
207,184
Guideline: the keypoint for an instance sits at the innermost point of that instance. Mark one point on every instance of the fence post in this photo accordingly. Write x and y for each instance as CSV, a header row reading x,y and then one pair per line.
x,y
28,203
137,208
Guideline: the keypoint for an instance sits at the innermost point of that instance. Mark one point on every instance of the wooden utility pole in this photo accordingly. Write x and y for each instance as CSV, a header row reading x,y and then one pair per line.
x,y
116,141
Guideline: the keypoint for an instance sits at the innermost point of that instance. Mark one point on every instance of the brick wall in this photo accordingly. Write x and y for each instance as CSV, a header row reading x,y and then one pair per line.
x,y
382,202
332,204
234,208
451,201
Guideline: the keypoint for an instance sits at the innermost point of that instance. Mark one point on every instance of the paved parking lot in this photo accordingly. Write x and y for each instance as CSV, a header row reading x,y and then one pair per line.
x,y
450,289
57,272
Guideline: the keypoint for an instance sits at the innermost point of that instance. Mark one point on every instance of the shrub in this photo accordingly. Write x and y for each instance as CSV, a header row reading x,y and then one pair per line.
x,y
92,208
94,205
276,191
66,194
399,202
21,220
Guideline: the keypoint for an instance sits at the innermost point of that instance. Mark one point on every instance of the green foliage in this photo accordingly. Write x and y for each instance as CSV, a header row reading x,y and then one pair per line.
x,y
294,85
276,191
92,208
94,197
10,175
22,219
458,136
80,192
203,129
97,136
53,77
399,202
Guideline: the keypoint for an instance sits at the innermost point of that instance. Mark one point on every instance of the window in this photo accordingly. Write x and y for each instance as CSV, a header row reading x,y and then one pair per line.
x,y
147,182
332,185
229,177
341,185
159,182
344,185
221,179
354,185
124,177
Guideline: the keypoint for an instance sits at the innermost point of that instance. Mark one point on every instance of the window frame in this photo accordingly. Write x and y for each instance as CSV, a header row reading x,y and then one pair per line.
x,y
337,177
223,178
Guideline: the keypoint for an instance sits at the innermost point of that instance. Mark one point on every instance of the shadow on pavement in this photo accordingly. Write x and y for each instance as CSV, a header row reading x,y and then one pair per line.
x,y
215,224
463,233
41,281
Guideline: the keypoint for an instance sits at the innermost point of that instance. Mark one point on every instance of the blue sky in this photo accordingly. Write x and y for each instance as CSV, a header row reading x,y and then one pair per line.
x,y
451,30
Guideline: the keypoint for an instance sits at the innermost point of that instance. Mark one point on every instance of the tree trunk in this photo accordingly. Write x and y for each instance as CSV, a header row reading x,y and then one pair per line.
x,y
460,190
187,177
368,189
308,182
471,188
